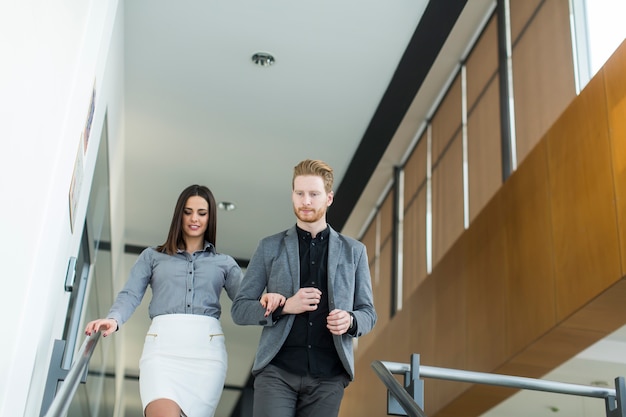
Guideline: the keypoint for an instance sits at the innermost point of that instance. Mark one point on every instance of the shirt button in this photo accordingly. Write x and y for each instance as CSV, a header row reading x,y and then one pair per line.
x,y
189,272
188,305
309,346
189,290
310,324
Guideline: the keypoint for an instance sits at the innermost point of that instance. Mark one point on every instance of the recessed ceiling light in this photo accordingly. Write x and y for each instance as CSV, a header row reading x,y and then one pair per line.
x,y
226,206
263,59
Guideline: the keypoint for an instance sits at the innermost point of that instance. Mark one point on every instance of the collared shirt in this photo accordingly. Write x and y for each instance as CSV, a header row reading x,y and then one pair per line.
x,y
309,348
182,283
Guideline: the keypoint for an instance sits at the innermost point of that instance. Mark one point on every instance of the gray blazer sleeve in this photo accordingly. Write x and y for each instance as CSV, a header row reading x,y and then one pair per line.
x,y
260,276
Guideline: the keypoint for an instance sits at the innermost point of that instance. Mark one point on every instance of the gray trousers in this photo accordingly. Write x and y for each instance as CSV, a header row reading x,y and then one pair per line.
x,y
278,393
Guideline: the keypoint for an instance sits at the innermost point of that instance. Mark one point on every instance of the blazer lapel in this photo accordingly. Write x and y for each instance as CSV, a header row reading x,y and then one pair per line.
x,y
293,257
335,248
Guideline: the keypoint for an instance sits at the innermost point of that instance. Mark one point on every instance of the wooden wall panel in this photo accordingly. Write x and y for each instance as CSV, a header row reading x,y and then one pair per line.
x,y
447,189
586,245
414,239
383,293
548,352
543,78
484,149
598,318
447,120
450,318
482,63
414,256
486,270
616,91
397,343
415,170
555,347
522,12
529,251
386,218
421,308
536,361
604,314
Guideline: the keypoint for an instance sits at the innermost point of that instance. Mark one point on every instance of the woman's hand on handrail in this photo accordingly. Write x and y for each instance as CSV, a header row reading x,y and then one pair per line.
x,y
106,326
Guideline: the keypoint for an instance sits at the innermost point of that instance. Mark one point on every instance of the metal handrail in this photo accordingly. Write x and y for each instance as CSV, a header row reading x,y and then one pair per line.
x,y
614,399
65,394
406,401
503,380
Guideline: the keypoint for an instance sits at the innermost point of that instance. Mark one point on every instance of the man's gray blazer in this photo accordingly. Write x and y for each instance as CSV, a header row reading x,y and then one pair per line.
x,y
275,268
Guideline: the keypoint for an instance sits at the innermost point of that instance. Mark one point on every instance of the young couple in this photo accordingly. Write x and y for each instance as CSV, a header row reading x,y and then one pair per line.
x,y
308,286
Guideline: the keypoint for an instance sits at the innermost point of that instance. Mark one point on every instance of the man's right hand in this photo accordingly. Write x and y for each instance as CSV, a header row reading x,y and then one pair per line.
x,y
306,299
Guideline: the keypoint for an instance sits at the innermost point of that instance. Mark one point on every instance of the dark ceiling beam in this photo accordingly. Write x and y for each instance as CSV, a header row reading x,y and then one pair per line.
x,y
429,37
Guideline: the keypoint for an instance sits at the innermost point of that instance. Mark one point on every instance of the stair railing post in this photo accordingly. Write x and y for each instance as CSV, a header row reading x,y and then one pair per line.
x,y
615,406
56,373
415,385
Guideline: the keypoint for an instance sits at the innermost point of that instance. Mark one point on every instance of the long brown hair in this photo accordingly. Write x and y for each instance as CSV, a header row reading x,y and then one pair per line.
x,y
175,238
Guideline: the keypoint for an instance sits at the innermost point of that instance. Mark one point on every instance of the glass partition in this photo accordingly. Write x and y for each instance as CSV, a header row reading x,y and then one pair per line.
x,y
96,397
598,30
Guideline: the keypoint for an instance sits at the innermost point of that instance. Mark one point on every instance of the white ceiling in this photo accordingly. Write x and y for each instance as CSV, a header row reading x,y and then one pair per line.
x,y
197,110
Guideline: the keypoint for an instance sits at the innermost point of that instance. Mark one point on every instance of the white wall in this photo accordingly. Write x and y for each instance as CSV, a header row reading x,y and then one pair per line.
x,y
52,52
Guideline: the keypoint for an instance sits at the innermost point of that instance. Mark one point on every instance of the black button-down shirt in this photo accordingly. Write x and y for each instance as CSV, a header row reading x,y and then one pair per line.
x,y
309,348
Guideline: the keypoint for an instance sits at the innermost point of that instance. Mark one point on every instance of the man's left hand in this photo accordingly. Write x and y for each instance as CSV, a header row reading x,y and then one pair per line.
x,y
338,322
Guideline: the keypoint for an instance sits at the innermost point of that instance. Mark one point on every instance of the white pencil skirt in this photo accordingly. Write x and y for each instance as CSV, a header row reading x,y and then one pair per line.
x,y
184,360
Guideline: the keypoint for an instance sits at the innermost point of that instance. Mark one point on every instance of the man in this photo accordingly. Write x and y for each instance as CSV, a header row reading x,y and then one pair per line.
x,y
310,288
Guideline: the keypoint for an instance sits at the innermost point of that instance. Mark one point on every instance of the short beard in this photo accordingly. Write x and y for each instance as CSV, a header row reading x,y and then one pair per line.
x,y
317,215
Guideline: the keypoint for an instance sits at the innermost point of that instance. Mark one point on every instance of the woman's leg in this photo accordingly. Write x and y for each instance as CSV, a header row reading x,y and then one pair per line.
x,y
163,408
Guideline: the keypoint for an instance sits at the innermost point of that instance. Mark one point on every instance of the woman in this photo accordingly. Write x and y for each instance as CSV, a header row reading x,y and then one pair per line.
x,y
183,364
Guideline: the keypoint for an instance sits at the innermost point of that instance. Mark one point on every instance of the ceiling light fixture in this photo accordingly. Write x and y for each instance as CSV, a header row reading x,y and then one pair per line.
x,y
226,206
263,59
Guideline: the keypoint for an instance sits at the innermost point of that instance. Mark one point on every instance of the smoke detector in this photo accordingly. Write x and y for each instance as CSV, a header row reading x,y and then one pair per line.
x,y
263,59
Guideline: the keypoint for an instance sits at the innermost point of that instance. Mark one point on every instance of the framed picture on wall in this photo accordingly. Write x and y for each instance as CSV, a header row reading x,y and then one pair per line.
x,y
75,184
89,120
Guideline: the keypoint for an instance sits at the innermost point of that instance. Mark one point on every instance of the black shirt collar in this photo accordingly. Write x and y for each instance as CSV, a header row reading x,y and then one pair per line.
x,y
323,235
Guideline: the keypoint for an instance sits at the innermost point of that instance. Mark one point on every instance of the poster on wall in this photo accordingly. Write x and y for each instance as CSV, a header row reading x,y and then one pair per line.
x,y
90,112
77,174
75,184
